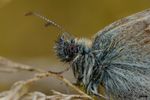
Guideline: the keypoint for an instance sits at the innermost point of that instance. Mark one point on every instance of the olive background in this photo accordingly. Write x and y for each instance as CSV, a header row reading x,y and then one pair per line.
x,y
26,40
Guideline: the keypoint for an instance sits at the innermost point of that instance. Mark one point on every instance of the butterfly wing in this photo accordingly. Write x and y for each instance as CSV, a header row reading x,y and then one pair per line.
x,y
128,74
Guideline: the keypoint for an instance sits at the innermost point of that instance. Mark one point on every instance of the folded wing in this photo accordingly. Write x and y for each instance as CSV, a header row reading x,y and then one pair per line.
x,y
128,75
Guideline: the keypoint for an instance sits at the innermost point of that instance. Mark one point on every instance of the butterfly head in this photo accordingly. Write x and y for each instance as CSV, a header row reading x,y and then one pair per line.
x,y
66,48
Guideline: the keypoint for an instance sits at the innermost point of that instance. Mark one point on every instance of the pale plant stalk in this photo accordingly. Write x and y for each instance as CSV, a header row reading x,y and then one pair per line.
x,y
39,75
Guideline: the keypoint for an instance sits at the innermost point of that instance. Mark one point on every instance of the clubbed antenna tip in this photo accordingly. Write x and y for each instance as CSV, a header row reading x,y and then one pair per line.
x,y
49,22
28,14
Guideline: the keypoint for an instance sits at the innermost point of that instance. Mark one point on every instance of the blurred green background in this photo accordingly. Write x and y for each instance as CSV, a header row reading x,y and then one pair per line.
x,y
26,40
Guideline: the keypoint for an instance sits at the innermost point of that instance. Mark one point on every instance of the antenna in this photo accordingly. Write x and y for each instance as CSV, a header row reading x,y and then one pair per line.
x,y
49,22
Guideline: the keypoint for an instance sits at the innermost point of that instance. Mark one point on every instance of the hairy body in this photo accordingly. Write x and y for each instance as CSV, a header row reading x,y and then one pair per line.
x,y
118,58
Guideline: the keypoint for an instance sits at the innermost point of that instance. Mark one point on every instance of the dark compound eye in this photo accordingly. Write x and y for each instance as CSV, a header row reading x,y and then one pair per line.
x,y
71,48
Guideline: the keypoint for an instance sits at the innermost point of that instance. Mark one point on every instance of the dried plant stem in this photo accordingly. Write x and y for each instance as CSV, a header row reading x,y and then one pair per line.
x,y
59,77
6,64
57,95
39,74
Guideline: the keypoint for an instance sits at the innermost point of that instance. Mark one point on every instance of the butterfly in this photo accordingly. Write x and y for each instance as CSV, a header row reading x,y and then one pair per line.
x,y
117,58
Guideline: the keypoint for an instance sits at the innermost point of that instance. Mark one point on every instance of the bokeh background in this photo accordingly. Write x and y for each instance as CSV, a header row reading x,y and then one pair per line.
x,y
26,40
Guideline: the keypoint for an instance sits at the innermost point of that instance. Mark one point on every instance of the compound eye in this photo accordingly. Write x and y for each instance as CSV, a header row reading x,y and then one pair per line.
x,y
71,48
